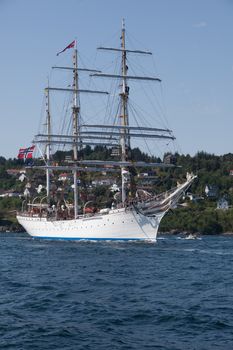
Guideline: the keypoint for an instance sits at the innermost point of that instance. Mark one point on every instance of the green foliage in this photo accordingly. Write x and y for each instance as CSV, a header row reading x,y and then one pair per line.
x,y
104,196
2,161
8,208
6,181
10,203
208,221
200,217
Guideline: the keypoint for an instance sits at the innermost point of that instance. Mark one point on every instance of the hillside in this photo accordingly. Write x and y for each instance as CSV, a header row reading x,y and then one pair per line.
x,y
197,212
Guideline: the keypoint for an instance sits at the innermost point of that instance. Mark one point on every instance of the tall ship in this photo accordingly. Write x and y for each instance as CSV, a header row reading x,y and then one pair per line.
x,y
134,213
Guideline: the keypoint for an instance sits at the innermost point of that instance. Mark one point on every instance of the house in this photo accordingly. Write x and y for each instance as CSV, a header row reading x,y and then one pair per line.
x,y
115,152
142,175
10,194
68,159
13,172
78,183
194,197
114,188
222,203
64,177
169,159
211,191
102,182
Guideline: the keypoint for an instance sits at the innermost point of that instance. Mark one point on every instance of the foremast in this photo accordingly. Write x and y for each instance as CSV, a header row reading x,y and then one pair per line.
x,y
76,126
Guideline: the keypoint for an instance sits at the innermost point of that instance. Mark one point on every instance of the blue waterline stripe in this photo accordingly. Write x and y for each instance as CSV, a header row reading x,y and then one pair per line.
x,y
88,239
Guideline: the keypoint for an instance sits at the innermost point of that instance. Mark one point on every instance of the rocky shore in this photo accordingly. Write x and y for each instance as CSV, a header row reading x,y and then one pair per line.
x,y
11,228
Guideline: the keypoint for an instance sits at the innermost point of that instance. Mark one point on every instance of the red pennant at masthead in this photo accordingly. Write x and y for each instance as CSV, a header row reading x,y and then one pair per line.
x,y
26,153
67,47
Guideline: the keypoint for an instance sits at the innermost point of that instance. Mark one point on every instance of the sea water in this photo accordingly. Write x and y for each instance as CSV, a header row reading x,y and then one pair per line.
x,y
175,294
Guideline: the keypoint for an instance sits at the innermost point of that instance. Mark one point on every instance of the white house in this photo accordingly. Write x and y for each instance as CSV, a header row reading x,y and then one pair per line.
x,y
211,191
194,197
222,203
114,188
64,177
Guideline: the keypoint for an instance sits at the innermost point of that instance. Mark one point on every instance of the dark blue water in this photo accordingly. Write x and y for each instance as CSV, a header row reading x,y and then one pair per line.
x,y
176,294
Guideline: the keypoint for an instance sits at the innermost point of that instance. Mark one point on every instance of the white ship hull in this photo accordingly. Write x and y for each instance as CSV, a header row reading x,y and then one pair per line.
x,y
119,224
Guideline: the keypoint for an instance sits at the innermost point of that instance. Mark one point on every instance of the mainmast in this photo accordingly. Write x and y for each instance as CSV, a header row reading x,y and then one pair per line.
x,y
124,119
48,150
124,113
76,125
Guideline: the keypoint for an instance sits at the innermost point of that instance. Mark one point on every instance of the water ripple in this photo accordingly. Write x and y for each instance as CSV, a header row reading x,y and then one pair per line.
x,y
173,295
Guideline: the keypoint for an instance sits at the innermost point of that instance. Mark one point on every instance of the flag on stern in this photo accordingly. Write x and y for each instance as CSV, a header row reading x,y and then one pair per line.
x,y
26,153
67,47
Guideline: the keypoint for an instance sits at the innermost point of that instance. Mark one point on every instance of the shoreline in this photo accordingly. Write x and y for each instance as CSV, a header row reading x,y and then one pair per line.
x,y
197,234
20,229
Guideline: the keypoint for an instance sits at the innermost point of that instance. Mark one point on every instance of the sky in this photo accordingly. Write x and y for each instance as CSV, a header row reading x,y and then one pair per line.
x,y
192,42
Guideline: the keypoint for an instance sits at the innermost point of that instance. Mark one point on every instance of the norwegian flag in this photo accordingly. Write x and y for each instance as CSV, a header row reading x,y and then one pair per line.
x,y
26,153
67,47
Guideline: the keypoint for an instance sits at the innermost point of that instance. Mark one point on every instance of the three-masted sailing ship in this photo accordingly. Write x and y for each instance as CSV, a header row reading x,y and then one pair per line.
x,y
135,215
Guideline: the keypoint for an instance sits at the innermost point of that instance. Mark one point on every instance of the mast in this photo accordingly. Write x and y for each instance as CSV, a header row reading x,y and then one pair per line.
x,y
76,125
76,136
48,146
124,113
124,119
106,135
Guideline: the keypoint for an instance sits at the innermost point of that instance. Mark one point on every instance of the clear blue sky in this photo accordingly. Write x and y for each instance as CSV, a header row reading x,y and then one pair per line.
x,y
193,45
